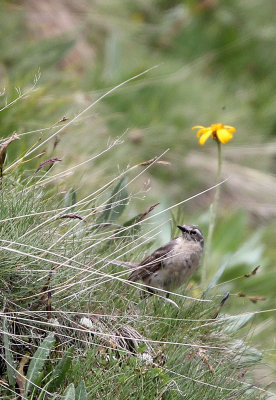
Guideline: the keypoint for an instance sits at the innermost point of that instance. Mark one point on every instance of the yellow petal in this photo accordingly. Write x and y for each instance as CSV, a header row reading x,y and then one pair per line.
x,y
198,127
224,135
204,137
201,131
230,128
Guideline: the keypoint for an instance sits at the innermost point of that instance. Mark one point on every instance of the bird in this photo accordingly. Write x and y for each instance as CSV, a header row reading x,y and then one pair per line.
x,y
171,265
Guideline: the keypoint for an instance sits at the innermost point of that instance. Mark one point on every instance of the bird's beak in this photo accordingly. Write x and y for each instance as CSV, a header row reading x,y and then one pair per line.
x,y
182,228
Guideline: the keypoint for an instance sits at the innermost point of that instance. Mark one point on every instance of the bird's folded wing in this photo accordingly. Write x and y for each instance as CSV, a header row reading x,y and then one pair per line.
x,y
152,263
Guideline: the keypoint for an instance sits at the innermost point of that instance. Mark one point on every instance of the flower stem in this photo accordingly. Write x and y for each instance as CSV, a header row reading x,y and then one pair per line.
x,y
213,215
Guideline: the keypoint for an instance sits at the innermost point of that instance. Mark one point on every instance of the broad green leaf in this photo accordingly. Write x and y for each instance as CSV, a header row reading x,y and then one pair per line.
x,y
38,361
11,369
116,203
251,251
81,393
69,393
234,323
247,354
61,369
217,276
70,198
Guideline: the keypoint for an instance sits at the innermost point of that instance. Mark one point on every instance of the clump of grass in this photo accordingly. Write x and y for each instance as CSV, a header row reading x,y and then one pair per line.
x,y
56,276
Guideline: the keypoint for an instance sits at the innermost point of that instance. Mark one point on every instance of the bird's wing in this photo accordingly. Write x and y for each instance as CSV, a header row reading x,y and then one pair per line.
x,y
152,263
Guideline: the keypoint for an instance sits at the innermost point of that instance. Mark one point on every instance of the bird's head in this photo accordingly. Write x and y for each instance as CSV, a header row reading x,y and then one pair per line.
x,y
191,232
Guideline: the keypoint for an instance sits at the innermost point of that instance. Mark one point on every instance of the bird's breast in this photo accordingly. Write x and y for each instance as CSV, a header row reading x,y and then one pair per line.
x,y
178,266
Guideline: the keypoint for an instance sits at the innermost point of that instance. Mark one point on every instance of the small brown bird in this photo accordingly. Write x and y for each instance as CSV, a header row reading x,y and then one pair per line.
x,y
168,267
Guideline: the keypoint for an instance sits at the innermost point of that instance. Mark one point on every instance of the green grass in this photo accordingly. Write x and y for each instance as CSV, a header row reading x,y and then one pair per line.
x,y
55,271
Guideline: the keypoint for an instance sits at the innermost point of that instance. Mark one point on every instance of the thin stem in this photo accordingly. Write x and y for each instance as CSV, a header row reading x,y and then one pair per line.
x,y
213,215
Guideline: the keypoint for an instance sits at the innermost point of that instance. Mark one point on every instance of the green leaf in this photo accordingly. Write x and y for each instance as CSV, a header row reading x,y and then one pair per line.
x,y
217,276
38,361
116,203
70,198
69,393
11,369
81,393
234,323
251,251
246,354
61,369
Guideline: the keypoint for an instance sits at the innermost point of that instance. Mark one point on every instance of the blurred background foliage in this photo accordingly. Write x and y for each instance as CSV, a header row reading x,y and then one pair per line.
x,y
216,63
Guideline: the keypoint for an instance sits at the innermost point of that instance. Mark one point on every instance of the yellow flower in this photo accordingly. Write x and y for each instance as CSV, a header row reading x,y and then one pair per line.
x,y
221,133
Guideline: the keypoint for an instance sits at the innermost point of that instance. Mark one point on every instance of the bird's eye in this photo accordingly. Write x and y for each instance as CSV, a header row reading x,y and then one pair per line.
x,y
193,232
